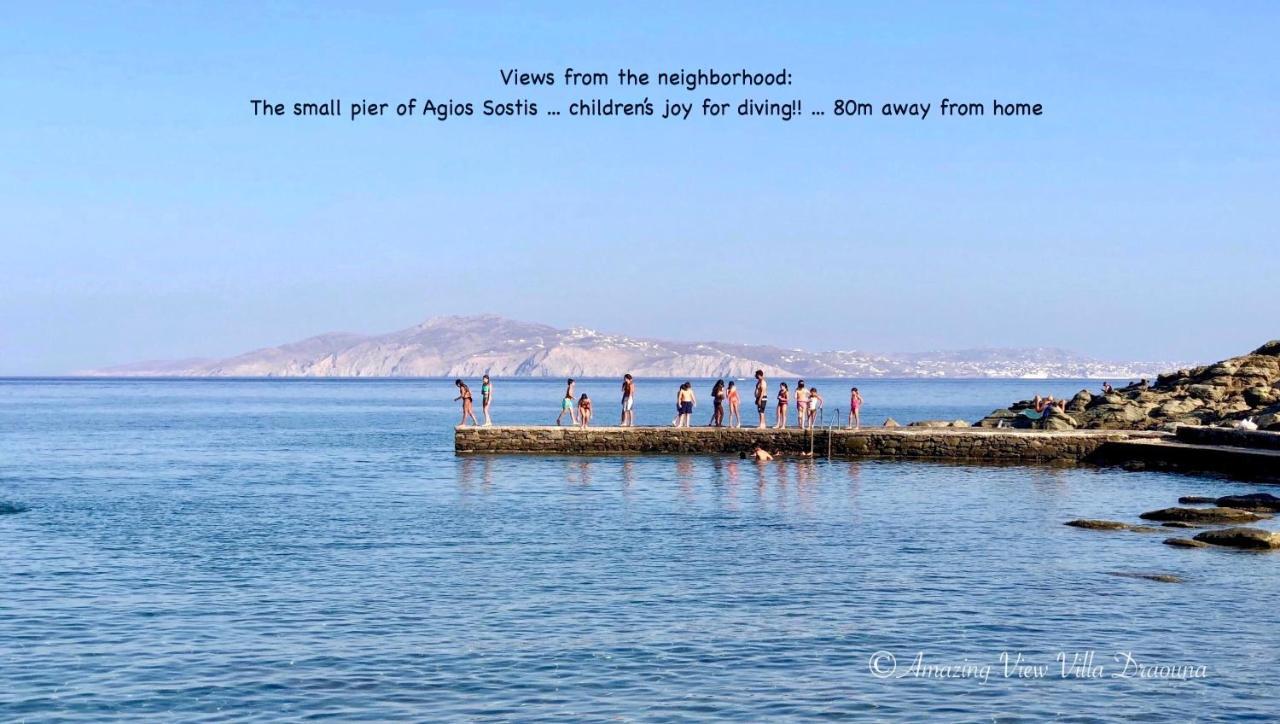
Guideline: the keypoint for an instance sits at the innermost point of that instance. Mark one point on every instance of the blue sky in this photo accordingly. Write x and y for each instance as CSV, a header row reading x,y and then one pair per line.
x,y
145,213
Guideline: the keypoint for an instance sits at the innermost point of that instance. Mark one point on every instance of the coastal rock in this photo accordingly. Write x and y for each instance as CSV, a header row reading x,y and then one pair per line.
x,y
1271,348
929,423
1055,419
890,422
1252,538
960,423
1269,420
1252,501
1176,407
1178,524
1259,396
1158,577
1092,524
1223,393
1000,418
1199,500
1203,515
1080,402
1185,543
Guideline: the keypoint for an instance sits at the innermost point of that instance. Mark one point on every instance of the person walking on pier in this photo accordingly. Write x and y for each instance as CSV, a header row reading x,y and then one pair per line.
x,y
731,396
628,401
468,407
685,401
486,397
855,407
584,410
566,405
784,398
762,396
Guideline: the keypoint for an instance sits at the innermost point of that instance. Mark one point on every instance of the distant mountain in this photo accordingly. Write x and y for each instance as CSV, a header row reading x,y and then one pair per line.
x,y
471,346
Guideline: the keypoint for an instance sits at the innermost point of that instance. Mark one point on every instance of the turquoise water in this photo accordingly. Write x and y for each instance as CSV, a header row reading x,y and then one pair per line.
x,y
233,550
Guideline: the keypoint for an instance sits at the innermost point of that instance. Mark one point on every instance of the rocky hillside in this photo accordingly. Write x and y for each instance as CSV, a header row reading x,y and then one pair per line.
x,y
1219,394
471,346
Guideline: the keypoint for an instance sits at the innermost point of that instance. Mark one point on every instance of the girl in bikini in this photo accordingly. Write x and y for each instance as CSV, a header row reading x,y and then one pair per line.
x,y
802,404
735,419
783,399
584,410
717,402
468,410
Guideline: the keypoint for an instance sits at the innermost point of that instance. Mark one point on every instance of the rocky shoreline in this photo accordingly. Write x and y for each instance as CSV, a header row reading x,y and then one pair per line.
x,y
1232,511
1223,394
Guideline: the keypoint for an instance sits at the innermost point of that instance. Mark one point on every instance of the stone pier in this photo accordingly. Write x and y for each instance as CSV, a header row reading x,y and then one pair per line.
x,y
953,444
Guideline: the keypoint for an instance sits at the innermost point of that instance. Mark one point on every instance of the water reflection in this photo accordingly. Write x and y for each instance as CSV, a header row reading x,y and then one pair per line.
x,y
473,469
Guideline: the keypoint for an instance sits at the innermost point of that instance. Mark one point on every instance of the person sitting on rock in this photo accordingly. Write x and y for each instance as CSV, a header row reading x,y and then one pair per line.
x,y
1107,388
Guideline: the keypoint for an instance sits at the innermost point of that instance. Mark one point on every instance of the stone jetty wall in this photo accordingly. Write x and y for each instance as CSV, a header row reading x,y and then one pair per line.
x,y
1227,436
959,444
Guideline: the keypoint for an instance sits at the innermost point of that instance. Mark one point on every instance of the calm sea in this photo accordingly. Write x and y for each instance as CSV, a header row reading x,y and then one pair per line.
x,y
231,550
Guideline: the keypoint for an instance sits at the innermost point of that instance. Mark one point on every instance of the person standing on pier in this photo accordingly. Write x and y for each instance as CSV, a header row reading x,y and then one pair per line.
x,y
486,396
784,397
855,407
762,396
685,401
731,395
566,405
815,407
584,410
468,407
628,401
717,404
802,404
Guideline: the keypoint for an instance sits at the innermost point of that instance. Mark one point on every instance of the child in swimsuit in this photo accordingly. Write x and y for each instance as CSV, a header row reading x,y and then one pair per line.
x,y
566,405
855,404
486,396
584,410
684,405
